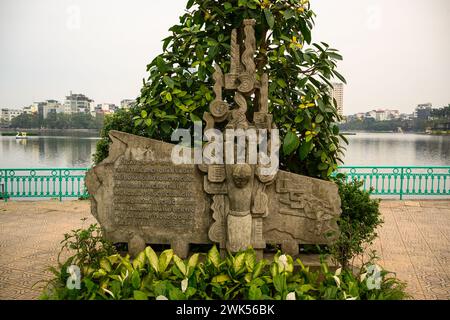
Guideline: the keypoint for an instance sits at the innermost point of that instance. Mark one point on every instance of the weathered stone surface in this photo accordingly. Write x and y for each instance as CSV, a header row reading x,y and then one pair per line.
x,y
140,197
137,193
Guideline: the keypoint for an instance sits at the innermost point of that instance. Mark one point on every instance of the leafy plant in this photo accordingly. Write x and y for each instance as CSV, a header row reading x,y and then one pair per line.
x,y
179,86
88,248
358,222
208,276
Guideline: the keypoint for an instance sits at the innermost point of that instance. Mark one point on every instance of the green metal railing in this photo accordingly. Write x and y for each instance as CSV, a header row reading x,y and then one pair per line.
x,y
43,183
402,181
382,180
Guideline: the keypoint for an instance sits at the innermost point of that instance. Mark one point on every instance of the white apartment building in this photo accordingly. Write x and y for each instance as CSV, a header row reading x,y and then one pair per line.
x,y
7,115
50,106
76,103
338,94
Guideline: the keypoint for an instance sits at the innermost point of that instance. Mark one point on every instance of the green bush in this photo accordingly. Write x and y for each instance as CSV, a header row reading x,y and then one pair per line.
x,y
88,247
178,89
208,276
358,222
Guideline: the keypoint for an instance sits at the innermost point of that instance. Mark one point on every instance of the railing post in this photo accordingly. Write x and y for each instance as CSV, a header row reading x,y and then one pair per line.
x,y
401,183
6,186
60,185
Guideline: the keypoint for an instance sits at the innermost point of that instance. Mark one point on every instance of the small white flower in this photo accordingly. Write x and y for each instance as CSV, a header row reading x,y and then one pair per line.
x,y
338,272
291,296
283,261
184,285
337,280
161,298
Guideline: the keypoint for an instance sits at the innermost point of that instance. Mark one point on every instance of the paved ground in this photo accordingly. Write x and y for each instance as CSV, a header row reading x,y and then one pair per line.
x,y
414,242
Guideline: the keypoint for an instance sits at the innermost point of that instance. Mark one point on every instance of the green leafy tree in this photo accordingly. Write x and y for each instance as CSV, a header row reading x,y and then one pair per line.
x,y
25,121
179,86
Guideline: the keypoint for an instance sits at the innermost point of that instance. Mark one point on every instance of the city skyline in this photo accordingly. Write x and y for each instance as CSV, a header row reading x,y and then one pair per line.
x,y
101,49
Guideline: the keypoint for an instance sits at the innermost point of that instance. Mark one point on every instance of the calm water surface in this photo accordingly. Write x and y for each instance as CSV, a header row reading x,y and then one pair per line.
x,y
51,149
397,149
75,149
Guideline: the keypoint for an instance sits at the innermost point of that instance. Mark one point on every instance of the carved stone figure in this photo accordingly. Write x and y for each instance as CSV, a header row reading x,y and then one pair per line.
x,y
140,197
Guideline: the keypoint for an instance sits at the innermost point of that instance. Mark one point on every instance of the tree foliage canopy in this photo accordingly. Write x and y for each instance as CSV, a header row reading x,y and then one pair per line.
x,y
179,86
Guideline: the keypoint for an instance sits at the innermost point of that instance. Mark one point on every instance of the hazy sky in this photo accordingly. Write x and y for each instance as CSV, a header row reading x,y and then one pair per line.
x,y
396,53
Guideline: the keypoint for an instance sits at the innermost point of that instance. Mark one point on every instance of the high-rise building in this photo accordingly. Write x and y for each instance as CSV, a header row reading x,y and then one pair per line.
x,y
77,103
338,95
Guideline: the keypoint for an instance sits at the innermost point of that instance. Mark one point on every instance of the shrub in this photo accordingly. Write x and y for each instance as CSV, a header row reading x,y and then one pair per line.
x,y
179,86
358,222
88,247
208,276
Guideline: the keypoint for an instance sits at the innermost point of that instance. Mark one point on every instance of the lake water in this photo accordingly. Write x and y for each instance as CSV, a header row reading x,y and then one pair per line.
x,y
75,149
64,149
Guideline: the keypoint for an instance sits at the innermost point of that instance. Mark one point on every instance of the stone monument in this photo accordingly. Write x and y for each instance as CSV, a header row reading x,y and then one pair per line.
x,y
140,197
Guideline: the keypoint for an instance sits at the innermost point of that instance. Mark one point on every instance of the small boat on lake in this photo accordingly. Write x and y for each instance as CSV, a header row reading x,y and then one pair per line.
x,y
21,135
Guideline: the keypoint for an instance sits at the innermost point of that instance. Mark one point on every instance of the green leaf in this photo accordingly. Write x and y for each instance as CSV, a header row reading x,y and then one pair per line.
x,y
148,122
335,130
164,259
258,268
139,295
306,32
279,282
291,142
168,96
214,256
176,294
340,76
319,118
169,82
304,150
334,55
269,18
180,265
152,258
194,118
143,114
190,4
254,293
139,261
289,13
322,166
193,260
239,262
221,278
104,264
281,83
250,260
135,280
227,6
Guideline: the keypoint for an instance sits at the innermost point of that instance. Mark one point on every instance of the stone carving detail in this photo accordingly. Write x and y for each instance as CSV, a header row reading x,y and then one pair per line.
x,y
245,203
139,196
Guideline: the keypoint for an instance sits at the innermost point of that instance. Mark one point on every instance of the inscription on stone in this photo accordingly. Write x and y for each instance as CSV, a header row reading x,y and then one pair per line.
x,y
153,193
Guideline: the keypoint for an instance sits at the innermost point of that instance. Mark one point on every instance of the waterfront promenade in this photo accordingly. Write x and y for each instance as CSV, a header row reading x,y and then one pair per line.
x,y
414,241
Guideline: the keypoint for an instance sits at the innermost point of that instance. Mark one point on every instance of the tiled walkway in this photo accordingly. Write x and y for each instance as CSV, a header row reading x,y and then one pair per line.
x,y
414,242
